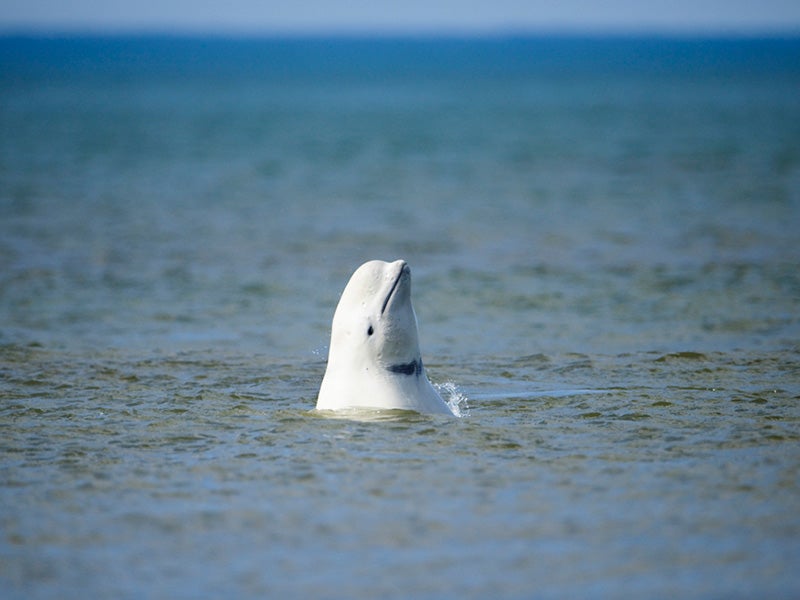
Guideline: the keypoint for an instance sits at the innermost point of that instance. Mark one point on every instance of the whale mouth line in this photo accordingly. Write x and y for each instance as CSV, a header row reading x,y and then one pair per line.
x,y
393,288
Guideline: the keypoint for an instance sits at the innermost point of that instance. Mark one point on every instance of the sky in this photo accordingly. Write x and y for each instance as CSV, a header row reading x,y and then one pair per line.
x,y
403,16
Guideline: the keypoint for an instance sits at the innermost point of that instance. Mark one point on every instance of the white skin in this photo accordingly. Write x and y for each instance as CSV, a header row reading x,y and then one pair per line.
x,y
374,359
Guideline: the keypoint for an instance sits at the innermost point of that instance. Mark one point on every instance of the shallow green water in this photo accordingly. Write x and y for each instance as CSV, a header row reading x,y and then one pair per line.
x,y
205,473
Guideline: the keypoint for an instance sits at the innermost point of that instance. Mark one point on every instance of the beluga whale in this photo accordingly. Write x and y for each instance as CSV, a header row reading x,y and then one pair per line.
x,y
374,360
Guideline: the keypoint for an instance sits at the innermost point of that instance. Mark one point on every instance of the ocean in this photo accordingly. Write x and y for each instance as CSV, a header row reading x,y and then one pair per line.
x,y
603,239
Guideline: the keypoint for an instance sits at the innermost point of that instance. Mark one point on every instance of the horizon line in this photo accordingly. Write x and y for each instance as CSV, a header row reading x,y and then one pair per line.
x,y
491,32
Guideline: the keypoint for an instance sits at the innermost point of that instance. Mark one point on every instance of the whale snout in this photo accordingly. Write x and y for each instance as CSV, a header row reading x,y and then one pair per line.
x,y
399,266
400,277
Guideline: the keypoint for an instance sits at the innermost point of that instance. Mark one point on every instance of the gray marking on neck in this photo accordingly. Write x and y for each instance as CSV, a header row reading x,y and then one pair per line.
x,y
412,368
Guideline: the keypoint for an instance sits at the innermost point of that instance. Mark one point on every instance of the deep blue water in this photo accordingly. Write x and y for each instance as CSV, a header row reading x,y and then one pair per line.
x,y
602,233
416,57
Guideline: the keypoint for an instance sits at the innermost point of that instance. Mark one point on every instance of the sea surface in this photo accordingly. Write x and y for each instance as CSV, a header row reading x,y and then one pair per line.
x,y
604,238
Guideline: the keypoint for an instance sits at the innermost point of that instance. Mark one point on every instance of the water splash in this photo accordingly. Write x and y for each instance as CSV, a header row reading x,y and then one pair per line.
x,y
456,400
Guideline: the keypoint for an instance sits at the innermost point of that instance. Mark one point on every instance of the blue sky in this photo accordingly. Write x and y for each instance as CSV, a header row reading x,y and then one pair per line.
x,y
291,16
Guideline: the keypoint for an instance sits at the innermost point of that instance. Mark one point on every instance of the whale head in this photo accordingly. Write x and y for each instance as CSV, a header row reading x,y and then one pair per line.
x,y
374,360
374,326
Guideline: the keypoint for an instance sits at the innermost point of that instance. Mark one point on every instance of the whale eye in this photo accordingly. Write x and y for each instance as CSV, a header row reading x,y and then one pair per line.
x,y
370,331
